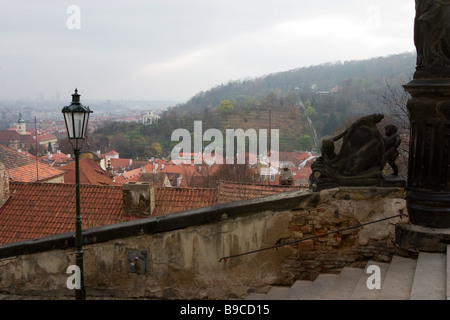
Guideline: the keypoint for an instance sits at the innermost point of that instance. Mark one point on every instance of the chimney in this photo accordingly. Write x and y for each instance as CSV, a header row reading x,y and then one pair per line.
x,y
4,184
109,169
138,199
286,178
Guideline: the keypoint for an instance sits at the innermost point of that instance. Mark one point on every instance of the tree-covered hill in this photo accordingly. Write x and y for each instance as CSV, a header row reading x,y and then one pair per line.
x,y
327,94
354,75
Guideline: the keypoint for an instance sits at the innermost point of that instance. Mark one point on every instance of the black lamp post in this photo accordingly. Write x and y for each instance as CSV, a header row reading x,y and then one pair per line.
x,y
76,117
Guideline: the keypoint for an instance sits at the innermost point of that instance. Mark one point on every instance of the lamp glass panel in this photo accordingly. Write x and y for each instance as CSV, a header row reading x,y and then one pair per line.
x,y
86,120
78,118
69,124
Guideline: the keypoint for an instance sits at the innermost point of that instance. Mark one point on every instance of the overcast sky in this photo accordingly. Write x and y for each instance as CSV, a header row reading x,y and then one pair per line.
x,y
173,49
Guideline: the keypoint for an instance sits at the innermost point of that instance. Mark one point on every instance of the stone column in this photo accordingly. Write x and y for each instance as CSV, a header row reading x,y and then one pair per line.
x,y
428,187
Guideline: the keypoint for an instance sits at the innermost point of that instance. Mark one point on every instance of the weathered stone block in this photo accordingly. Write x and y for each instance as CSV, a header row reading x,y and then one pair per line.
x,y
306,245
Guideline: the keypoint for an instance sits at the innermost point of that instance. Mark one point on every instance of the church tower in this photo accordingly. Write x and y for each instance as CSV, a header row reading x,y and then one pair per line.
x,y
21,126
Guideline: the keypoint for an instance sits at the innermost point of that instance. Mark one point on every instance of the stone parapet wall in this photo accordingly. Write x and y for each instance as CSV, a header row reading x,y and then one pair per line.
x,y
343,209
180,253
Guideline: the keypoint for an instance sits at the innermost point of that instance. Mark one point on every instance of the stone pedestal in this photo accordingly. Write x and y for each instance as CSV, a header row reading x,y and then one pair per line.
x,y
428,188
416,238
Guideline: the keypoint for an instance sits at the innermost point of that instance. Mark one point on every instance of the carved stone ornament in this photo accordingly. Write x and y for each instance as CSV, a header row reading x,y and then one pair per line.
x,y
363,154
432,38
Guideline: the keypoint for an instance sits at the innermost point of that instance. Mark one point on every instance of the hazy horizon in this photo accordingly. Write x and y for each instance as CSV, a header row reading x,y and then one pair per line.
x,y
171,50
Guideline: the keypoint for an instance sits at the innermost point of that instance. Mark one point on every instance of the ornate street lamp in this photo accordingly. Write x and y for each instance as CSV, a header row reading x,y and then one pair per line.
x,y
76,117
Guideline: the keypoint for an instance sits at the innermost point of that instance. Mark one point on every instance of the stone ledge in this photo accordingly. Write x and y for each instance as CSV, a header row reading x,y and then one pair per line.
x,y
416,238
382,182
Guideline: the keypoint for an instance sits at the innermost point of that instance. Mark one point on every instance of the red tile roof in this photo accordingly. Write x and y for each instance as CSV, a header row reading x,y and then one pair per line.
x,y
29,155
7,135
35,172
27,138
22,167
235,191
120,164
138,164
121,180
57,158
37,210
45,137
12,158
170,200
188,173
296,158
90,173
303,172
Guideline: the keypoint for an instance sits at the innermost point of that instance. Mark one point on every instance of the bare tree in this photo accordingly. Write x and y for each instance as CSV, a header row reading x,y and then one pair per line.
x,y
395,98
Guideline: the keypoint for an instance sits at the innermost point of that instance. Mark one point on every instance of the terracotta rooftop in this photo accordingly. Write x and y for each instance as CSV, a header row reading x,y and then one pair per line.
x,y
34,172
170,200
24,168
27,138
36,210
188,173
157,179
303,172
90,173
45,137
57,158
138,164
120,164
12,158
7,135
235,191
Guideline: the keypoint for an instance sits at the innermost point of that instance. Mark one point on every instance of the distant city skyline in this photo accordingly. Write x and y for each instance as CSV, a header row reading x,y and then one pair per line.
x,y
172,50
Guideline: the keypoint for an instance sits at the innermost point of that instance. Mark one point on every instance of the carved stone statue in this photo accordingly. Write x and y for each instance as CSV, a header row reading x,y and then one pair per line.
x,y
363,154
391,144
432,38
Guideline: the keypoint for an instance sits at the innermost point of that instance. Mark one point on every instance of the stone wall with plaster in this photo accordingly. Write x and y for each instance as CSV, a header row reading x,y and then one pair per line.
x,y
179,256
